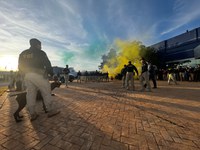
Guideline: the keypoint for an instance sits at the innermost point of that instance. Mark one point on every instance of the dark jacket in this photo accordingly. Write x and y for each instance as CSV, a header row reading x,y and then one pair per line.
x,y
34,60
144,67
131,68
66,71
151,70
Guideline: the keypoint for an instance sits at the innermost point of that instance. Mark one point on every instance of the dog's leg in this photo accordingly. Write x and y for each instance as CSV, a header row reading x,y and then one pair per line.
x,y
21,100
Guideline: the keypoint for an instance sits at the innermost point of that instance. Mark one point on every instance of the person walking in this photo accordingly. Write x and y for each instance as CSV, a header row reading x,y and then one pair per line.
x,y
123,73
171,76
144,77
129,75
66,72
35,66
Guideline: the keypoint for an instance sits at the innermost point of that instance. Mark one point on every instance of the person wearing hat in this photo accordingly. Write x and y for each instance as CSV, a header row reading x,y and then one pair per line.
x,y
36,67
130,68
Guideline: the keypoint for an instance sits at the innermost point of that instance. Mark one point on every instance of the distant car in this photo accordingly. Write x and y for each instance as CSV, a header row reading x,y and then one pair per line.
x,y
62,78
72,76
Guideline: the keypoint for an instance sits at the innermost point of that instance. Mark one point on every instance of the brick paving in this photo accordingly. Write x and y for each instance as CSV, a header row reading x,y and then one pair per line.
x,y
103,116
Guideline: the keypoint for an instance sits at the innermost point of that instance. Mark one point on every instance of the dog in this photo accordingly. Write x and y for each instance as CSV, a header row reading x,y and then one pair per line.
x,y
21,100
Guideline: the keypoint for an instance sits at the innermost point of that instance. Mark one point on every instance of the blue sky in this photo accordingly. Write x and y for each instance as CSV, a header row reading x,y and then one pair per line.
x,y
79,32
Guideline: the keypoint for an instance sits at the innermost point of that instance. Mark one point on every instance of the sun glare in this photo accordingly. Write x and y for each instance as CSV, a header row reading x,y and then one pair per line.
x,y
8,62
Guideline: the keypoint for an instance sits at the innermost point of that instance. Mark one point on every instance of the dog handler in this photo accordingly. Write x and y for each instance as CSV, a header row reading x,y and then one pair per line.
x,y
35,65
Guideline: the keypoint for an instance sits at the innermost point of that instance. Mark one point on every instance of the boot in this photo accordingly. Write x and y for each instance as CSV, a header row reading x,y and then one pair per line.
x,y
17,118
53,113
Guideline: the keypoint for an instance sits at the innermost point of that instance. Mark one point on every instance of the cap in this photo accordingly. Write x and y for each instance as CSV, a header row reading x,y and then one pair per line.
x,y
34,42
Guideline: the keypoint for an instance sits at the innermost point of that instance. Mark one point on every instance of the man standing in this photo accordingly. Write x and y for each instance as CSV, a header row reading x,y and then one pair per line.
x,y
66,72
35,65
123,73
129,75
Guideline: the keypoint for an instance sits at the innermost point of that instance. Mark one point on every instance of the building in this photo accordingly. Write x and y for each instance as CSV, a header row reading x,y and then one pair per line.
x,y
180,50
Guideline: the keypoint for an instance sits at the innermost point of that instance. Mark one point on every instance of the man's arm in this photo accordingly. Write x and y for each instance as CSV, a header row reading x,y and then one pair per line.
x,y
21,64
47,65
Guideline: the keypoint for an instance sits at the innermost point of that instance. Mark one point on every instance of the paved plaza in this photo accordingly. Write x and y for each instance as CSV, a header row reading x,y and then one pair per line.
x,y
104,116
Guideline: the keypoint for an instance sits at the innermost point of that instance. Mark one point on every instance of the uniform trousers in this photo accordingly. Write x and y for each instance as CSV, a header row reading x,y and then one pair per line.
x,y
123,81
35,82
145,78
171,77
66,79
129,77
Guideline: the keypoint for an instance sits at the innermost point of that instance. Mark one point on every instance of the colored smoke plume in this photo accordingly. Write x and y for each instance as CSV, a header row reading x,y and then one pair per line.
x,y
118,57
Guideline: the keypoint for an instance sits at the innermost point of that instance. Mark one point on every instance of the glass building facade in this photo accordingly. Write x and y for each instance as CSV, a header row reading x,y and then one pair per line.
x,y
180,49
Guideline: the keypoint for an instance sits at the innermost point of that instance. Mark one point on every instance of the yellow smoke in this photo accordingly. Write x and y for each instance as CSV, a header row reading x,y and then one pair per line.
x,y
126,51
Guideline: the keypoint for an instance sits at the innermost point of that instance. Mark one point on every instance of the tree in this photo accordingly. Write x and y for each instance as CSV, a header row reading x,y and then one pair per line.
x,y
149,54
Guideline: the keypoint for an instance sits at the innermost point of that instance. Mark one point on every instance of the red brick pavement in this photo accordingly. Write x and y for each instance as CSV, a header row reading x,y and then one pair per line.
x,y
103,116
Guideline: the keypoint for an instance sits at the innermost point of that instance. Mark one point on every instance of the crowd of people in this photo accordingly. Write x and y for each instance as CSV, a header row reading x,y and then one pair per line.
x,y
181,73
150,72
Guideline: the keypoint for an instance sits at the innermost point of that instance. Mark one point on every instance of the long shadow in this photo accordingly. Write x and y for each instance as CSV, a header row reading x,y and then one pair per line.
x,y
168,104
175,105
182,91
120,95
159,110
